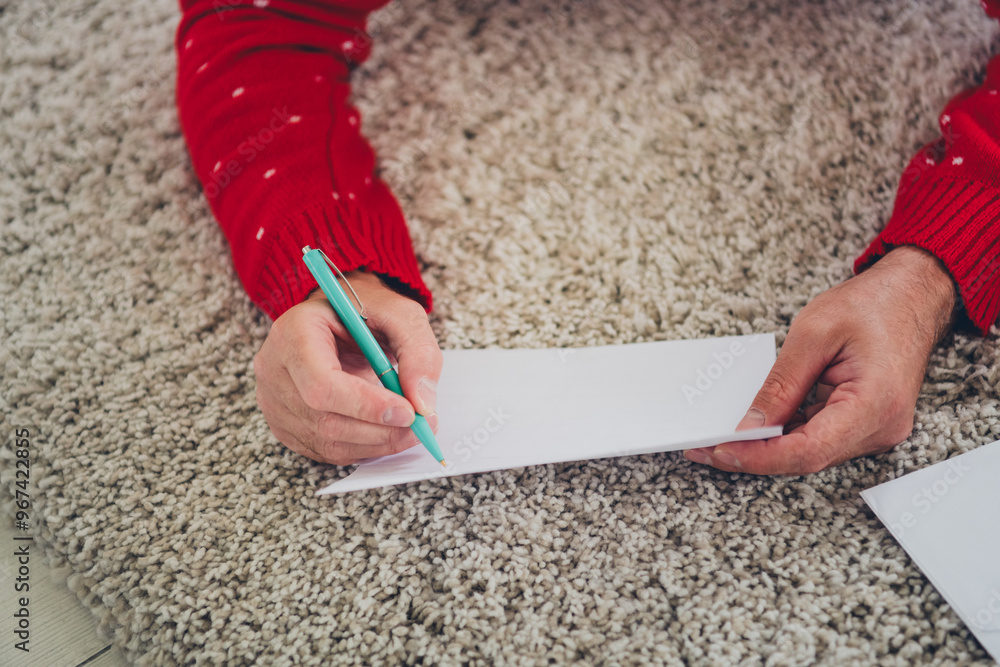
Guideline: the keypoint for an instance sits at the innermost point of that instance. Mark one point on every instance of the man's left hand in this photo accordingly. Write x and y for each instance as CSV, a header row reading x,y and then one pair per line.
x,y
864,345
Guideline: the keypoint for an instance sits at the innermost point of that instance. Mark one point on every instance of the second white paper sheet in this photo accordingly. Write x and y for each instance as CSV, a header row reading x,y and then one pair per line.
x,y
501,409
945,516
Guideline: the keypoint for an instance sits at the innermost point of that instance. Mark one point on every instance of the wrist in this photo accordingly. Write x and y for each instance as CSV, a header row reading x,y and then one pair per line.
x,y
354,277
928,284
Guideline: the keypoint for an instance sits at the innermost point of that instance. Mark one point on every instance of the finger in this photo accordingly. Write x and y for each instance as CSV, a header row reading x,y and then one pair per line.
x,y
336,439
284,408
841,430
341,453
803,358
289,440
332,427
411,339
347,453
323,386
291,422
341,440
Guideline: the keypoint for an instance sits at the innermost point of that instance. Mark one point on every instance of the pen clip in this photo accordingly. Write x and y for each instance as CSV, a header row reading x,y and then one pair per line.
x,y
361,306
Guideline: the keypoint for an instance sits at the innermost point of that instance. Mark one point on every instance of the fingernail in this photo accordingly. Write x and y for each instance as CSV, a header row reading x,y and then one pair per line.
x,y
397,416
427,393
754,418
727,459
432,420
698,456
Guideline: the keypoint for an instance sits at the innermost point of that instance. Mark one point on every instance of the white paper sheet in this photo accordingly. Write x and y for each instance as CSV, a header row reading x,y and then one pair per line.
x,y
503,409
947,517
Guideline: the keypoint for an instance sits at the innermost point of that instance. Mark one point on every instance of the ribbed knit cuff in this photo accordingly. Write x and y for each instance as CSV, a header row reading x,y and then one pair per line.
x,y
353,238
959,222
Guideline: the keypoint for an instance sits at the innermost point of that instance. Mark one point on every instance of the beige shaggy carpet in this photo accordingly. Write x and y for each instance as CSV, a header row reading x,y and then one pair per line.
x,y
580,173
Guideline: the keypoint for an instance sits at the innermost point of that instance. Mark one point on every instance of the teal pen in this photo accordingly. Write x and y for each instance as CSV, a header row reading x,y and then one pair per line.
x,y
319,265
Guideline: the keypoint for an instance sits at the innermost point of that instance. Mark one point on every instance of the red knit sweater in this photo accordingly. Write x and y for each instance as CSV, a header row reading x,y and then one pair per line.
x,y
263,88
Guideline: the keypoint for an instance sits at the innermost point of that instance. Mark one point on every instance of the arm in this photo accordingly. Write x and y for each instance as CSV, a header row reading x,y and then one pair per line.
x,y
948,201
262,90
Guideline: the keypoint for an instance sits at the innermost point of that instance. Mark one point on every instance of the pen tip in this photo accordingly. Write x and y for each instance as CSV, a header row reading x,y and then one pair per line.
x,y
443,463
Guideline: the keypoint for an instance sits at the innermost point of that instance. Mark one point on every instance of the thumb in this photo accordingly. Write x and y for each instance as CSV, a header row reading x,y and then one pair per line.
x,y
802,360
835,434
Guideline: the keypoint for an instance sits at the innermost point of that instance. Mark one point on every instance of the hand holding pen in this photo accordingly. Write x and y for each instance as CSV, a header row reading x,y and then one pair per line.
x,y
320,396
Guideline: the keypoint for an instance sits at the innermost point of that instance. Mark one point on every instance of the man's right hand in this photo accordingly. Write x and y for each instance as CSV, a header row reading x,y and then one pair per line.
x,y
318,393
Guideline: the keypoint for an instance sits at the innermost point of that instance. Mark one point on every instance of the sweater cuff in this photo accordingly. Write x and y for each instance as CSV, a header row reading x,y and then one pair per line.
x,y
353,238
957,221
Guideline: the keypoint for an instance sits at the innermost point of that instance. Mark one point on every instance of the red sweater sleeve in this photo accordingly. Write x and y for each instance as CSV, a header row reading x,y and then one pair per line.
x,y
262,90
948,201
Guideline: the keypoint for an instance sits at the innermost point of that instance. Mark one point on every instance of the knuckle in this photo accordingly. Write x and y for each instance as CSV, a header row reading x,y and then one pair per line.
x,y
429,352
413,309
330,450
366,406
262,399
291,442
331,427
278,434
885,448
900,432
282,326
777,389
414,315
816,456
810,462
402,309
899,411
260,365
815,465
342,461
266,402
898,404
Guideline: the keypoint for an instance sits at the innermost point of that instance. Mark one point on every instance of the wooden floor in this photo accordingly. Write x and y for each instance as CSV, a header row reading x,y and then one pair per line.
x,y
63,633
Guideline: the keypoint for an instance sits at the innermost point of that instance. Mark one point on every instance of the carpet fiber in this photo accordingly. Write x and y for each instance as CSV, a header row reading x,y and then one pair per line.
x,y
586,173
